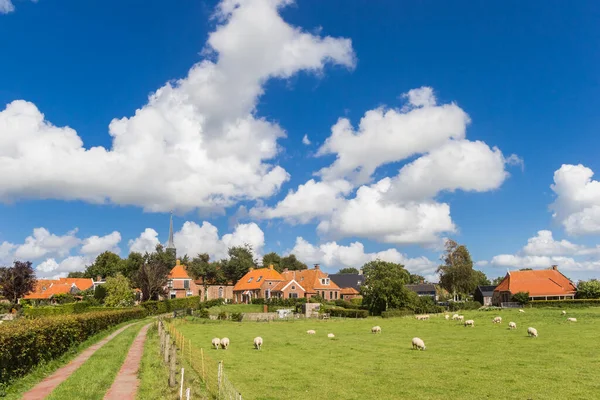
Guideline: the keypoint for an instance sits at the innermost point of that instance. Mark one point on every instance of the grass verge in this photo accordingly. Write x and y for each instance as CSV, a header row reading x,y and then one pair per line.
x,y
19,386
154,373
93,379
231,308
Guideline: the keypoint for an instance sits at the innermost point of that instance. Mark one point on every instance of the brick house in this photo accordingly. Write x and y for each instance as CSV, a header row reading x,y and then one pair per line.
x,y
46,289
349,293
257,283
214,291
315,283
180,284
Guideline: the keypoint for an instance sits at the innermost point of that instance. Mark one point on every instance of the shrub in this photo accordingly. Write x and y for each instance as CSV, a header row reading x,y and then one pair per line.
x,y
403,312
164,306
203,313
489,308
464,305
356,301
347,304
211,303
342,312
222,315
28,342
566,303
521,297
258,301
237,316
100,293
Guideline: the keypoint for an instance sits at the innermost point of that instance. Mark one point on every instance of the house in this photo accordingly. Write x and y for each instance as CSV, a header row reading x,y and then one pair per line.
x,y
349,293
46,289
354,281
423,289
256,284
179,283
214,291
542,284
484,294
314,282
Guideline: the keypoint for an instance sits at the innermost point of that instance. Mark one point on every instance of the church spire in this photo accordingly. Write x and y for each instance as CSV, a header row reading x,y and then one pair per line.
x,y
171,243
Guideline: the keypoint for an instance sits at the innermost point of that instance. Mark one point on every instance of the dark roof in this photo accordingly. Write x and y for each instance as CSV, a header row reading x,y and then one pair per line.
x,y
348,280
421,287
486,291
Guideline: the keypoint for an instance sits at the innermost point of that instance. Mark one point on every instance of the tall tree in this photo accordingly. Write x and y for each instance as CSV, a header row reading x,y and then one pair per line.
x,y
76,274
480,278
132,265
415,278
118,291
457,275
291,263
348,270
17,281
384,286
272,259
106,264
153,274
211,273
496,281
588,289
240,260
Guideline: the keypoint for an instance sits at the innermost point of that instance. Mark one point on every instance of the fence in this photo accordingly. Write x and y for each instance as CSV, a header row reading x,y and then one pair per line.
x,y
211,372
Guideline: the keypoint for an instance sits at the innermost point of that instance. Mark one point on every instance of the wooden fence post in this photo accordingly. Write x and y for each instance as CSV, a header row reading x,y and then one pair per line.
x,y
172,366
219,378
190,347
202,360
167,347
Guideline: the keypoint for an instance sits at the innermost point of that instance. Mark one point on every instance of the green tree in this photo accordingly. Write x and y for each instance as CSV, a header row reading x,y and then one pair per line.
x,y
456,274
414,278
480,278
588,289
76,274
17,281
272,259
100,293
348,270
521,297
211,273
106,264
118,291
291,263
384,287
64,298
132,265
153,274
241,259
497,280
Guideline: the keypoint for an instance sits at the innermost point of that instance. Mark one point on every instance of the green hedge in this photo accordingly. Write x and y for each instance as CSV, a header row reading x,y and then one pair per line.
x,y
566,303
465,305
165,306
342,312
66,309
403,312
28,342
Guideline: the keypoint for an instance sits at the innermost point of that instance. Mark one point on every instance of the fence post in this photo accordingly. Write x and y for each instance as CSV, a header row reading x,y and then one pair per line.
x,y
181,388
167,347
190,347
172,366
202,359
219,379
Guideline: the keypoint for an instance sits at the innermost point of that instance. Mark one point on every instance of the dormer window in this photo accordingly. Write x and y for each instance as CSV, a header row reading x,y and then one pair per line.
x,y
250,280
325,281
259,278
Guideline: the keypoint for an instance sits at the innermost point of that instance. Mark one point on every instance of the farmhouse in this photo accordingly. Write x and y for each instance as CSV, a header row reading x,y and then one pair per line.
x,y
423,289
484,294
179,283
349,293
256,284
315,283
544,284
46,289
214,291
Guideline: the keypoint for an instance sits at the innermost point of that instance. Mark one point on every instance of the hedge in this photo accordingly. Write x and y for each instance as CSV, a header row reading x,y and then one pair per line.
x,y
403,312
464,305
66,309
566,303
342,312
28,342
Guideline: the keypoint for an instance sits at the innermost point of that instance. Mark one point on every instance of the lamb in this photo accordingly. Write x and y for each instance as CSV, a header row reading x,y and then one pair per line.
x,y
470,323
330,335
572,319
461,318
497,320
521,310
447,317
418,344
225,343
455,316
311,332
422,317
512,325
376,329
564,312
258,342
216,342
532,332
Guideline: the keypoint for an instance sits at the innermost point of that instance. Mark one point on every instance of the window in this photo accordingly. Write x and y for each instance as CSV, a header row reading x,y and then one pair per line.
x,y
293,287
336,294
270,283
173,295
259,278
186,284
170,283
324,281
220,292
250,280
293,295
330,295
323,294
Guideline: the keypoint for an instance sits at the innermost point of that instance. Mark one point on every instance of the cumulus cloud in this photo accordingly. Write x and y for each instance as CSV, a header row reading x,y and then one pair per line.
x,y
577,203
43,243
145,243
94,245
197,143
305,140
50,268
332,255
6,6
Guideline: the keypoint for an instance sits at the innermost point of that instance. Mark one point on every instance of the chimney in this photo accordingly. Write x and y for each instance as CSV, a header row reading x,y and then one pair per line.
x,y
250,269
285,270
555,267
98,278
178,262
360,271
270,266
317,266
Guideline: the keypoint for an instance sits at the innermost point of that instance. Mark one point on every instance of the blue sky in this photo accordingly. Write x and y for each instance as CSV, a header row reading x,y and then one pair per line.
x,y
471,112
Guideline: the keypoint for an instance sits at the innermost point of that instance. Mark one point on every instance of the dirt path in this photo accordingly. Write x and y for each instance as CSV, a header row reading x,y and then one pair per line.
x,y
45,387
126,383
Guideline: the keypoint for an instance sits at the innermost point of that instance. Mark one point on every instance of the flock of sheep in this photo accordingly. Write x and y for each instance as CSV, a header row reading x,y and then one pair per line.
x,y
417,343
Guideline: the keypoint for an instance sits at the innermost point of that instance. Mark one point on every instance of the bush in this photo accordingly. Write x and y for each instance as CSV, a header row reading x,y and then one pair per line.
x,y
347,304
465,305
342,312
237,316
566,303
258,301
489,308
165,306
28,342
521,297
5,308
71,308
222,315
403,312
211,303
203,313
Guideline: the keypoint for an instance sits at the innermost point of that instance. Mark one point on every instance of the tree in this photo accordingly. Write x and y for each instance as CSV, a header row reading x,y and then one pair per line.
x,y
384,286
414,278
17,281
292,263
118,292
211,273
106,264
240,261
497,280
588,289
76,274
457,275
480,278
272,259
64,298
132,265
349,270
100,293
153,274
521,297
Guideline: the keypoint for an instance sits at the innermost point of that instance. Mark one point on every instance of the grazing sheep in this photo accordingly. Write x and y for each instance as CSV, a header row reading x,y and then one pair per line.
x,y
330,335
447,317
216,342
461,318
572,319
512,325
532,332
564,312
418,344
521,310
421,317
497,320
455,316
470,323
376,329
258,342
311,332
225,343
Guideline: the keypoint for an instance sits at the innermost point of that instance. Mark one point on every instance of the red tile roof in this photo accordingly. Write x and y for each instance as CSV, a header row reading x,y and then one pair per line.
x,y
349,290
310,279
179,272
81,283
255,278
544,282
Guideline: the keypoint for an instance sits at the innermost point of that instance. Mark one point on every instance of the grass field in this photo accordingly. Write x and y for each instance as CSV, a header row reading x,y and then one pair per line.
x,y
231,308
485,362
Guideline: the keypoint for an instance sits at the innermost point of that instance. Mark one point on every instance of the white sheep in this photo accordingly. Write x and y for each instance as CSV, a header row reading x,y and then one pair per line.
x,y
532,332
258,342
447,317
461,318
216,342
521,310
376,329
330,335
572,319
311,331
225,343
470,323
512,325
497,320
564,312
455,316
418,344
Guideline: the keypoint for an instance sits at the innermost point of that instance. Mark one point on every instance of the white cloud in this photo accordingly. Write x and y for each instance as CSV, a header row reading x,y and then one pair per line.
x,y
194,239
309,201
50,268
421,97
145,243
333,255
389,135
43,243
536,262
305,140
94,245
197,143
577,204
544,245
6,253
6,6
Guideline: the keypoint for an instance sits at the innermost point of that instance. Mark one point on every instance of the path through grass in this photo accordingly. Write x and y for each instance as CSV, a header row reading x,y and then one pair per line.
x,y
154,373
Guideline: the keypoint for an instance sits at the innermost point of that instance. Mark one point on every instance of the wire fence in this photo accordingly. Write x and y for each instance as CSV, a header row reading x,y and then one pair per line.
x,y
211,372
